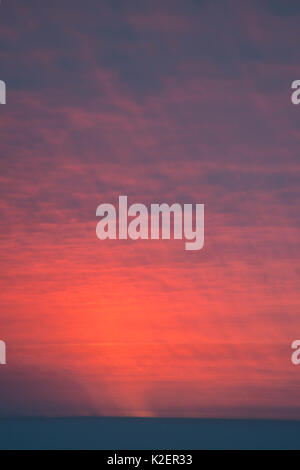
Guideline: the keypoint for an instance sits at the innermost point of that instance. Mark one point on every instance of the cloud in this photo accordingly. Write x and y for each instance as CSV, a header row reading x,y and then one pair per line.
x,y
188,107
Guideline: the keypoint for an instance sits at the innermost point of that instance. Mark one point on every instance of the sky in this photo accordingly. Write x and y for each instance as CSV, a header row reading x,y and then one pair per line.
x,y
177,102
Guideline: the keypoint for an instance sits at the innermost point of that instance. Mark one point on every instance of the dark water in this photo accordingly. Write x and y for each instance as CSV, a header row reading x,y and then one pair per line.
x,y
147,433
